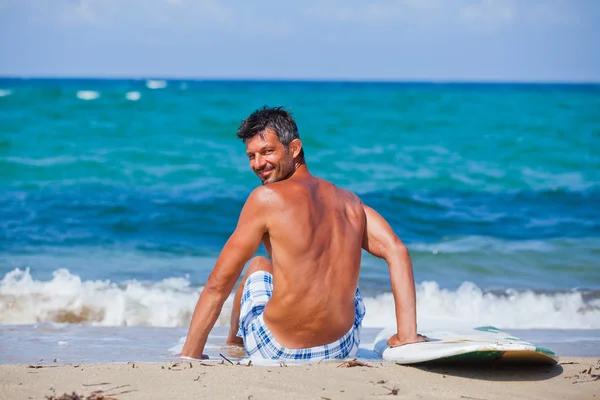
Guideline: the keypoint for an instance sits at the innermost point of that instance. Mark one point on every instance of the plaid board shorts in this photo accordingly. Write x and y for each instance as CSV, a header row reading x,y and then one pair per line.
x,y
259,341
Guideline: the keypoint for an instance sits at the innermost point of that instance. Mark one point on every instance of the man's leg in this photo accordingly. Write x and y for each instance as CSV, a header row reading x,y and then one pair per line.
x,y
258,263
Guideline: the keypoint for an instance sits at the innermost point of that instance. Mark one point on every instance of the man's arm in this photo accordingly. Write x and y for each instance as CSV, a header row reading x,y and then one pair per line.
x,y
242,245
381,241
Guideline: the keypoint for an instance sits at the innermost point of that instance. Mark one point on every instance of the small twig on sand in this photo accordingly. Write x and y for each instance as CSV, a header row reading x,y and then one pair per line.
x,y
594,379
381,382
226,359
353,363
471,398
116,387
126,391
393,392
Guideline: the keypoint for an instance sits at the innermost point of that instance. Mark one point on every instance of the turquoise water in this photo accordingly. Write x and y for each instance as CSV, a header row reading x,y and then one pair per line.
x,y
112,193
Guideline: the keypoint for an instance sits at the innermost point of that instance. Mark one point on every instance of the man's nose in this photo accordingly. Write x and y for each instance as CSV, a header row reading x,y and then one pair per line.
x,y
259,161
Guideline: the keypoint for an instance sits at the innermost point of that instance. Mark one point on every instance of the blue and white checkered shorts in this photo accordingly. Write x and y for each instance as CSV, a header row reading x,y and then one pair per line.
x,y
259,341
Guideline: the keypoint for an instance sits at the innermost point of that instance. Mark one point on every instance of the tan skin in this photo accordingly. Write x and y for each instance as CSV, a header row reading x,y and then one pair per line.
x,y
313,233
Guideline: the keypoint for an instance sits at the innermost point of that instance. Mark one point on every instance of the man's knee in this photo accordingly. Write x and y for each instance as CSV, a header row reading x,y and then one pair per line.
x,y
259,263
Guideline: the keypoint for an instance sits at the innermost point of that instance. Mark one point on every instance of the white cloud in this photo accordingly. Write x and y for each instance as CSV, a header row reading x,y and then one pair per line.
x,y
262,18
184,16
488,10
109,12
82,11
477,13
369,13
489,14
559,12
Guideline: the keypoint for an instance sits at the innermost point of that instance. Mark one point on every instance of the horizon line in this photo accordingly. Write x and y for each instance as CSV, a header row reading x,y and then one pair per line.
x,y
302,80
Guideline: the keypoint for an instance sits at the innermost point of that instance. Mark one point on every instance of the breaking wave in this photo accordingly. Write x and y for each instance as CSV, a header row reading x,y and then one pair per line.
x,y
67,298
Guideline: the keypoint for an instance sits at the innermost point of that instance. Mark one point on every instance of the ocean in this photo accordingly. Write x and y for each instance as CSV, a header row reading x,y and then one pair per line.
x,y
116,197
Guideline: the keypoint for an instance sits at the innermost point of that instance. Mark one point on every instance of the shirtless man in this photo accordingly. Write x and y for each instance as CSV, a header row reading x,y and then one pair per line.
x,y
304,302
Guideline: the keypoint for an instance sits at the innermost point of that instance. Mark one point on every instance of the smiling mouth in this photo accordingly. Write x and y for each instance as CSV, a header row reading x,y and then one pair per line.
x,y
265,172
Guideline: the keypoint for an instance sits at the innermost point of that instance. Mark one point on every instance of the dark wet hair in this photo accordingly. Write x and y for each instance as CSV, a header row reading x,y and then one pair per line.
x,y
276,118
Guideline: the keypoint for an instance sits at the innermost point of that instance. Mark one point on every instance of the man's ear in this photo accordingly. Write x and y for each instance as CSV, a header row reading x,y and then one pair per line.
x,y
295,147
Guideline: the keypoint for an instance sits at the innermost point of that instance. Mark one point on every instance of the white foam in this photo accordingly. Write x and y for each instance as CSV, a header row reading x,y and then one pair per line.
x,y
87,94
47,161
543,180
133,96
468,244
469,305
170,303
5,92
156,84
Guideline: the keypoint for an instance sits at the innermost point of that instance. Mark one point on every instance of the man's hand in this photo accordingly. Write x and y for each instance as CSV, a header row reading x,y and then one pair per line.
x,y
396,341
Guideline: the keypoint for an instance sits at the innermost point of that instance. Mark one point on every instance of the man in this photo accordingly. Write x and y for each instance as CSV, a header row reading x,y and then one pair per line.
x,y
303,303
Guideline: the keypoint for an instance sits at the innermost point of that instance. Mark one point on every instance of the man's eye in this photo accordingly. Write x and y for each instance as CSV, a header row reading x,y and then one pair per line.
x,y
251,157
268,151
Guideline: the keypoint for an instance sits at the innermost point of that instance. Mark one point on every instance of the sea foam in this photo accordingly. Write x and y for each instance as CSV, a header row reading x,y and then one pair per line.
x,y
87,95
133,96
170,303
156,84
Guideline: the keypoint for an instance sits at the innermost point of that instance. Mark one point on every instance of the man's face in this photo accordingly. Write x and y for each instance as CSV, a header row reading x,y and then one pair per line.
x,y
268,157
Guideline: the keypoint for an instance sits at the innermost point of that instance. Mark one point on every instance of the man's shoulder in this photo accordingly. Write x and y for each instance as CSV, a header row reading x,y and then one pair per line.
x,y
286,189
347,194
263,195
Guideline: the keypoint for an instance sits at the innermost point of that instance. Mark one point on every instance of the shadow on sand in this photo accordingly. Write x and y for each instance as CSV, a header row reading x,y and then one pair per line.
x,y
495,370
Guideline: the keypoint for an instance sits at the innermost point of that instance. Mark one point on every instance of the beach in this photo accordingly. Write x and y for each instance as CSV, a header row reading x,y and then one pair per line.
x,y
136,140
329,380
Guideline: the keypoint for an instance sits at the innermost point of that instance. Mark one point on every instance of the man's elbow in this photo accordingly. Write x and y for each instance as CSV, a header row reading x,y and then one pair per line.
x,y
397,251
217,288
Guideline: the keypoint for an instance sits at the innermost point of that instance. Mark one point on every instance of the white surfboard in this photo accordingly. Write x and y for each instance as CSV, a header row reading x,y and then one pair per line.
x,y
464,346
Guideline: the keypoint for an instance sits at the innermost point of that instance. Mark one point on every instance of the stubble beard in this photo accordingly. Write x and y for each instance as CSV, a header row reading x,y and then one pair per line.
x,y
279,173
271,178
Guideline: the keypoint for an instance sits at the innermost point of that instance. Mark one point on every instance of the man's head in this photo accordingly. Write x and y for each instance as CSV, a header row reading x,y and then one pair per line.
x,y
272,143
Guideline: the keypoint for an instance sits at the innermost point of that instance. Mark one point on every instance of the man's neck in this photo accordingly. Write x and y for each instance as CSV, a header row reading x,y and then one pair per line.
x,y
300,170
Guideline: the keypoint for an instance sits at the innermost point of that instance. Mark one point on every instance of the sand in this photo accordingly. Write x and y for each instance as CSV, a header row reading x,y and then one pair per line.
x,y
572,378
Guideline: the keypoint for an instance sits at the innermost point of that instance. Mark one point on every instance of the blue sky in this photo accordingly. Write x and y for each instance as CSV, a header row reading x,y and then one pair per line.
x,y
432,40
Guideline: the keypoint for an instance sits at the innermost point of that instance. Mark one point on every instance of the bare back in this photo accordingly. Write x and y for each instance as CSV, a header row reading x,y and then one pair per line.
x,y
315,234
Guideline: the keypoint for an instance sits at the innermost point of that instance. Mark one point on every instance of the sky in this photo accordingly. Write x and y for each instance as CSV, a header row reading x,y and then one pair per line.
x,y
388,40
